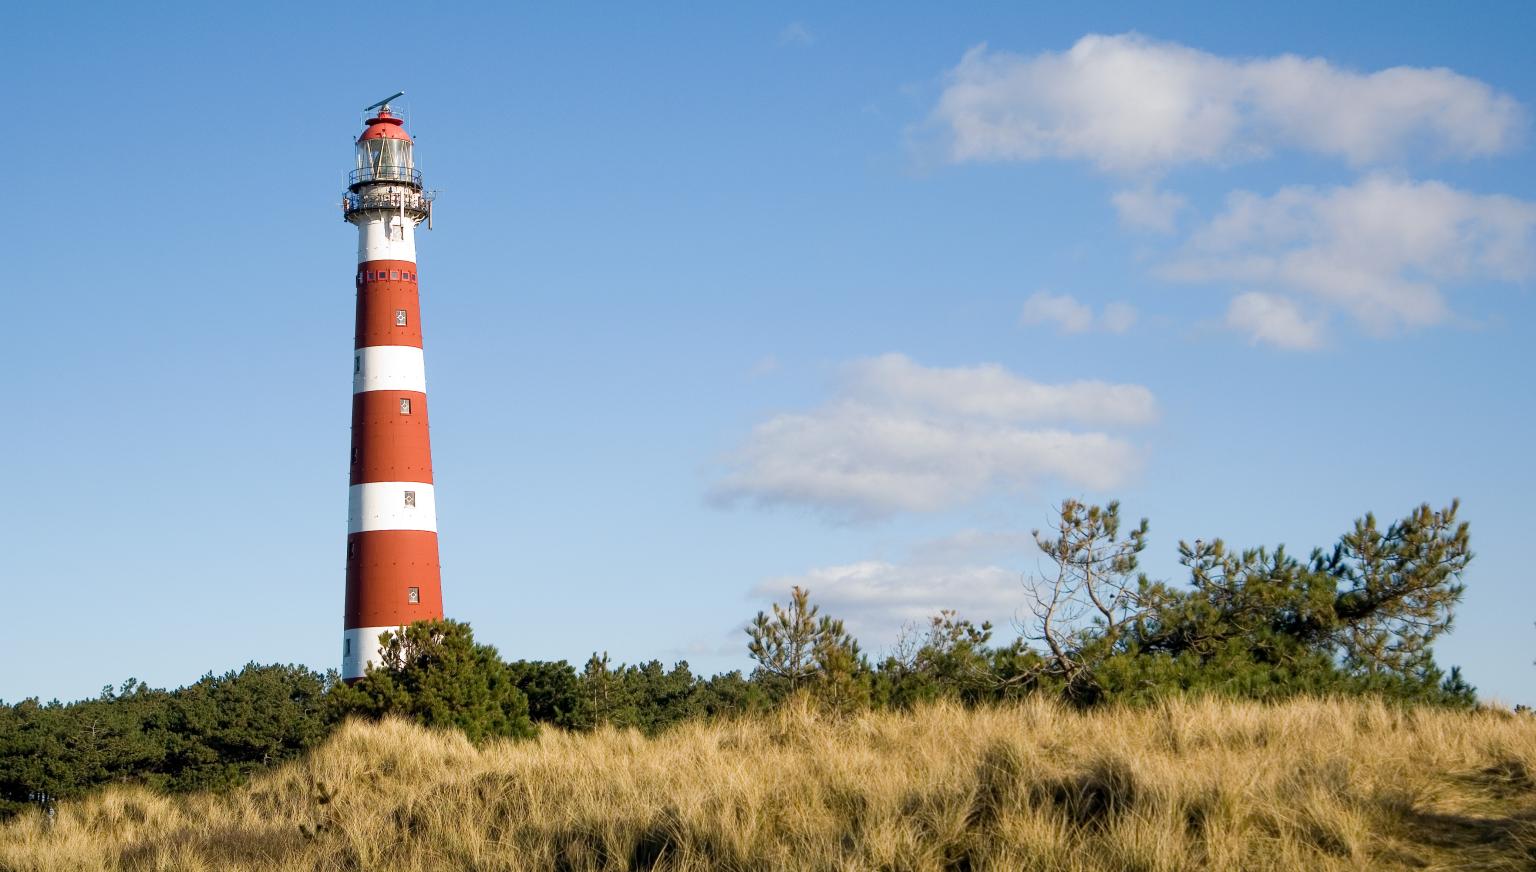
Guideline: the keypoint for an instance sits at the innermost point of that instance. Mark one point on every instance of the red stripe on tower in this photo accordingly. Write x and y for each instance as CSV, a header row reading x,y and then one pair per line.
x,y
393,576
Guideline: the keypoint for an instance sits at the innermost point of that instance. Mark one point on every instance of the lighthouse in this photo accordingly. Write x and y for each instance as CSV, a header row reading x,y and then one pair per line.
x,y
393,576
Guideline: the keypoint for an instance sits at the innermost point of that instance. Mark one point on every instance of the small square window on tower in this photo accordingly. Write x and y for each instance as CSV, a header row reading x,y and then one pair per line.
x,y
357,364
413,595
399,317
405,405
394,275
346,647
370,275
410,499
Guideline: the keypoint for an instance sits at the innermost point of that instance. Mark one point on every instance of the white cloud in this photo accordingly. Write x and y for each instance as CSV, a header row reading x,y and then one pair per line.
x,y
990,392
1063,311
1381,249
796,33
1129,103
1149,209
1071,316
1273,320
876,599
1118,317
903,437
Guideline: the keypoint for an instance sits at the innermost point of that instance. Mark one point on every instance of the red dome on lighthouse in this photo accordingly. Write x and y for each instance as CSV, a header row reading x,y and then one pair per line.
x,y
385,126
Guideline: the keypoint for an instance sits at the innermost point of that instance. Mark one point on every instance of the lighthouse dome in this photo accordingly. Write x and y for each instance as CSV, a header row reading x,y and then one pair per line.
x,y
384,152
386,125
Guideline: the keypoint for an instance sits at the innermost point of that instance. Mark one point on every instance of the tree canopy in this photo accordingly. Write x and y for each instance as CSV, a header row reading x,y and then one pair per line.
x,y
435,673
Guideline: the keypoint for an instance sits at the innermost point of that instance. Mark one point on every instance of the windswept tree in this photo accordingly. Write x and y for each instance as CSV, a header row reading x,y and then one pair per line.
x,y
1361,617
1088,591
1398,587
1257,622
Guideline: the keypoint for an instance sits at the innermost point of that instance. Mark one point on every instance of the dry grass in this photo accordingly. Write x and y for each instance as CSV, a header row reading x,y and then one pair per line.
x,y
1309,785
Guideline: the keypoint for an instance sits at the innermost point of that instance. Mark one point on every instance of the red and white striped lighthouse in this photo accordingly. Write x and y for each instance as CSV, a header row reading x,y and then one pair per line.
x,y
393,577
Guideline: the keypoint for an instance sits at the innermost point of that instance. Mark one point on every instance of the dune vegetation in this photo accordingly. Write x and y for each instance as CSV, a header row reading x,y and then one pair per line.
x,y
1272,714
1306,784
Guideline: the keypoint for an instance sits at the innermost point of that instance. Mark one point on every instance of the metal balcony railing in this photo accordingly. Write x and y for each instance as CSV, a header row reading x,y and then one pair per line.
x,y
417,205
403,175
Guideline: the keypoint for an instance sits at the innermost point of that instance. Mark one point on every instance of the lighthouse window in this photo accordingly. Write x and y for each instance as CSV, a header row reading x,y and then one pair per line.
x,y
394,275
405,405
399,317
410,499
370,275
346,647
351,549
357,364
413,595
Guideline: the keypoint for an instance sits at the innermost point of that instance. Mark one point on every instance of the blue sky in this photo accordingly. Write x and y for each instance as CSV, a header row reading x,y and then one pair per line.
x,y
724,299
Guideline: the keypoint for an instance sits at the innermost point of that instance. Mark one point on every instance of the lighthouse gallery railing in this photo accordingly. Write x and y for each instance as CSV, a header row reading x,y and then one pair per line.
x,y
364,175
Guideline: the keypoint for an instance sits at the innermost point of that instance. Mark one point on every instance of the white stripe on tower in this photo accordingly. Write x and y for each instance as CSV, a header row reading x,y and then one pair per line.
x,y
359,647
391,505
389,368
385,237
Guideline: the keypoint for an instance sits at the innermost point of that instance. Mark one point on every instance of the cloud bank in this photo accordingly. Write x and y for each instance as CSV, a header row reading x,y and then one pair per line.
x,y
899,436
1127,103
1381,250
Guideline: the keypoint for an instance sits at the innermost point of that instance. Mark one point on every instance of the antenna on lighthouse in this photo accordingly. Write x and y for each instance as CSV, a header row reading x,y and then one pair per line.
x,y
384,103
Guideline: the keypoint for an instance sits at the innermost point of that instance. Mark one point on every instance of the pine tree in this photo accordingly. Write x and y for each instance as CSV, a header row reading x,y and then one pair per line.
x,y
799,648
1400,587
784,646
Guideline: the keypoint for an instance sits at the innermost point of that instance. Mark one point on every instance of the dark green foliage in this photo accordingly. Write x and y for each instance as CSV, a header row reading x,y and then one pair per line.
x,y
648,697
730,694
434,673
952,661
659,697
553,691
222,727
212,733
